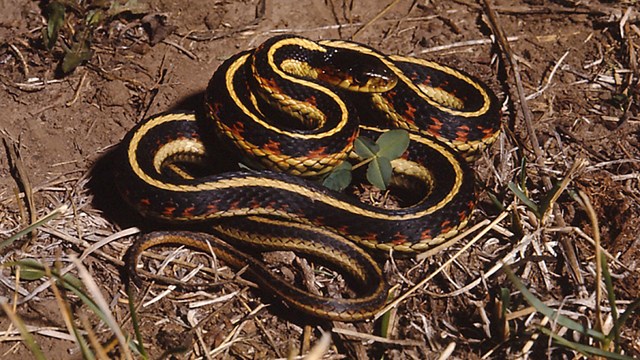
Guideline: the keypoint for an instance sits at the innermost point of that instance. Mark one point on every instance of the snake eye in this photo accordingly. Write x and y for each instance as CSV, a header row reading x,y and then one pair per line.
x,y
361,79
376,79
357,71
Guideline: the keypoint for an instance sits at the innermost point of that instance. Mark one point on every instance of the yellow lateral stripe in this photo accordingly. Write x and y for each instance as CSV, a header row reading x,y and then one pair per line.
x,y
190,146
253,181
233,68
401,76
434,65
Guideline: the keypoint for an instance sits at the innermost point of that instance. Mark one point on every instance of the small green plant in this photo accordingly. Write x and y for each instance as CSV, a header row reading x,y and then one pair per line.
x,y
608,342
76,22
62,283
378,155
604,340
87,293
543,208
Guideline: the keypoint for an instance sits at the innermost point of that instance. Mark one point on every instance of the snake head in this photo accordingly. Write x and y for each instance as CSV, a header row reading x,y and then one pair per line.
x,y
355,71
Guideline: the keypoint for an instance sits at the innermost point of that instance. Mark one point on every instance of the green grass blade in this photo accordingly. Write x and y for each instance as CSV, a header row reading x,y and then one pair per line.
x,y
633,307
68,281
55,20
583,349
136,325
27,337
52,215
524,198
611,296
549,312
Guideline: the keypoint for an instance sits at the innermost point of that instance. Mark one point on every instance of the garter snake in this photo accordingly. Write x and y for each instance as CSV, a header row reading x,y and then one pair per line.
x,y
293,105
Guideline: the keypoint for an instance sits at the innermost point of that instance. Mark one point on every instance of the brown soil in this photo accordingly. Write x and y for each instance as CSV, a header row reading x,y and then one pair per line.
x,y
580,70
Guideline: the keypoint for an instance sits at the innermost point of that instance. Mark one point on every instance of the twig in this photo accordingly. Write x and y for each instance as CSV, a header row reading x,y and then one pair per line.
x,y
76,95
463,44
526,112
375,338
25,67
189,54
375,18
33,85
424,281
569,252
551,75
21,177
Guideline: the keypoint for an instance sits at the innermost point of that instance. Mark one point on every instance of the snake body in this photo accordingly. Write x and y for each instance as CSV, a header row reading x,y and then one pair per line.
x,y
292,105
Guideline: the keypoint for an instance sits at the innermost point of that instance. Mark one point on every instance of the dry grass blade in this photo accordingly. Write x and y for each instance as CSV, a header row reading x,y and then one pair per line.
x,y
21,176
93,339
424,281
320,348
520,246
103,305
375,18
67,315
68,268
586,203
52,215
549,312
374,338
550,199
27,338
487,41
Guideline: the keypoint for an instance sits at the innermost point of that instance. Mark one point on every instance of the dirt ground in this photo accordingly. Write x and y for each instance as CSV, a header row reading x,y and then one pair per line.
x,y
577,63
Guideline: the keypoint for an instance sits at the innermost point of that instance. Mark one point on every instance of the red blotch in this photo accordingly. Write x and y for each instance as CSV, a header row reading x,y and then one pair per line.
x,y
435,127
410,113
234,206
273,147
317,153
188,212
214,108
272,205
463,133
488,133
168,211
372,237
272,84
237,129
319,221
399,239
312,100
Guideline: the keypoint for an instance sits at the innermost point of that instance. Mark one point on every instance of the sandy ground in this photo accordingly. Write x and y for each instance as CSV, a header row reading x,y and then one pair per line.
x,y
577,62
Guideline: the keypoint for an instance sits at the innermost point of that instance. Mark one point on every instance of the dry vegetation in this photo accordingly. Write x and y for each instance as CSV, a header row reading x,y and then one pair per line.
x,y
561,183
